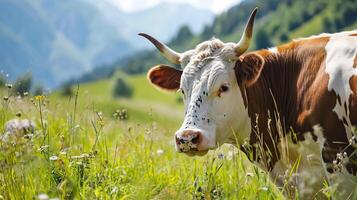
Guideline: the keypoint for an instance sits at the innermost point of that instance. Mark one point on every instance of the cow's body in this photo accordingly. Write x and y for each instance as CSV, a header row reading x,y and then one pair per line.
x,y
290,108
310,82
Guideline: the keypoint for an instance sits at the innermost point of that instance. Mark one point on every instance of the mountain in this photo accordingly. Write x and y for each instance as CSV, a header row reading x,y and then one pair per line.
x,y
278,21
170,17
60,39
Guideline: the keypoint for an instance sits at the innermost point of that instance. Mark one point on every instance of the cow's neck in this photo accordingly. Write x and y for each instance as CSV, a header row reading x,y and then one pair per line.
x,y
272,101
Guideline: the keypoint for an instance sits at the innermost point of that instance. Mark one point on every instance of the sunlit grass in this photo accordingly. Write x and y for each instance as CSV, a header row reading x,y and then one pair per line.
x,y
81,153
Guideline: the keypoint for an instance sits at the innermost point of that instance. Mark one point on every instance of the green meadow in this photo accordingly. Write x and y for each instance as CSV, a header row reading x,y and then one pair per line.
x,y
81,149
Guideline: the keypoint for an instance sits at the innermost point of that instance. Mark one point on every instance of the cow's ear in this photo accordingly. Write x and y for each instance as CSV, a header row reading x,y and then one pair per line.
x,y
248,68
165,77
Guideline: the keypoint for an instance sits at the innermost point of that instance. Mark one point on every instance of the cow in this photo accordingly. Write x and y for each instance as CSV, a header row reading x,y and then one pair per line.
x,y
291,107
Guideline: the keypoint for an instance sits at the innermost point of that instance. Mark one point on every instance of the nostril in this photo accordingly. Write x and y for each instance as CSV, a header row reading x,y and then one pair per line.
x,y
196,138
188,138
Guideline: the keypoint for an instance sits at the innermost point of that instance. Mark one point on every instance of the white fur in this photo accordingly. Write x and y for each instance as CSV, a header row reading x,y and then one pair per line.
x,y
344,33
341,51
273,50
209,66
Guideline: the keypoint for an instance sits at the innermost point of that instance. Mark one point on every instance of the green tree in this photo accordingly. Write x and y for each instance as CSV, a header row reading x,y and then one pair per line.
x,y
262,39
183,34
38,90
122,88
23,84
67,90
2,80
328,24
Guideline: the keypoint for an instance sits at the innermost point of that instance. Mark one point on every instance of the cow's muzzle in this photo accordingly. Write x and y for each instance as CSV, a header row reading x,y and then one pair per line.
x,y
188,140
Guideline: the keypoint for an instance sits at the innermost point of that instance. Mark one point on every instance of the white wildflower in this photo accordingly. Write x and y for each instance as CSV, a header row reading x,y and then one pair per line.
x,y
264,188
43,148
249,174
160,152
43,197
84,155
54,158
114,190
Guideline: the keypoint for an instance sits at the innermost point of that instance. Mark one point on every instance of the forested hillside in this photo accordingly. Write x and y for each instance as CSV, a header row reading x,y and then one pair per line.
x,y
277,21
60,39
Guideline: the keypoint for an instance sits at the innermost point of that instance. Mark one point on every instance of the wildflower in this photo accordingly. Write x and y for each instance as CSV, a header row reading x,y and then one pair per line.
x,y
121,114
249,174
54,158
114,190
28,136
100,115
6,98
26,94
78,163
18,128
43,148
220,156
85,155
18,114
8,85
40,98
63,152
344,154
264,188
43,197
160,152
352,140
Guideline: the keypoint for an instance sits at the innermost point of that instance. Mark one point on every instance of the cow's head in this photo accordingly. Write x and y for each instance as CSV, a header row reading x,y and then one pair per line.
x,y
215,110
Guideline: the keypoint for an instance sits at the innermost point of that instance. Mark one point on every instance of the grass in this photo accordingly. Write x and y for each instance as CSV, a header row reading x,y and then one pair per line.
x,y
80,151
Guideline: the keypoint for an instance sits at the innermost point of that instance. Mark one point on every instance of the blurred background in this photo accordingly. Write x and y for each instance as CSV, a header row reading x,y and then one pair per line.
x,y
77,70
53,43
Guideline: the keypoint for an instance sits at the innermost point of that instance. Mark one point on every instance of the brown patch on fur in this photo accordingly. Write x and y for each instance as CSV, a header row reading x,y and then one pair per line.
x,y
353,34
293,84
165,77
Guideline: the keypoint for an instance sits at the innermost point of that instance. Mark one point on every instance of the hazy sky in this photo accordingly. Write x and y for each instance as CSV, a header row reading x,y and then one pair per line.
x,y
215,6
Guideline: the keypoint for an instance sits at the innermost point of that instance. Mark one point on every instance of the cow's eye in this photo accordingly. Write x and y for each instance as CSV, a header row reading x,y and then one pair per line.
x,y
224,88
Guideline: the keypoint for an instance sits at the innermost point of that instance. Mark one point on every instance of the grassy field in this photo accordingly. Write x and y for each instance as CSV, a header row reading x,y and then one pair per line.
x,y
79,150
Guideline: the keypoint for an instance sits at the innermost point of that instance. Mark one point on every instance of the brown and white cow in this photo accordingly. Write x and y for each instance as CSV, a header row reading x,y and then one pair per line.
x,y
295,103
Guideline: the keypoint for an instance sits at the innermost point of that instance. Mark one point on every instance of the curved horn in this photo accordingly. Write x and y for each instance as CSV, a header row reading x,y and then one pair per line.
x,y
169,54
244,42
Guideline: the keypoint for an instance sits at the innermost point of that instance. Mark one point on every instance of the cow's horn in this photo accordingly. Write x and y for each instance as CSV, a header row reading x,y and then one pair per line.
x,y
169,54
243,43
